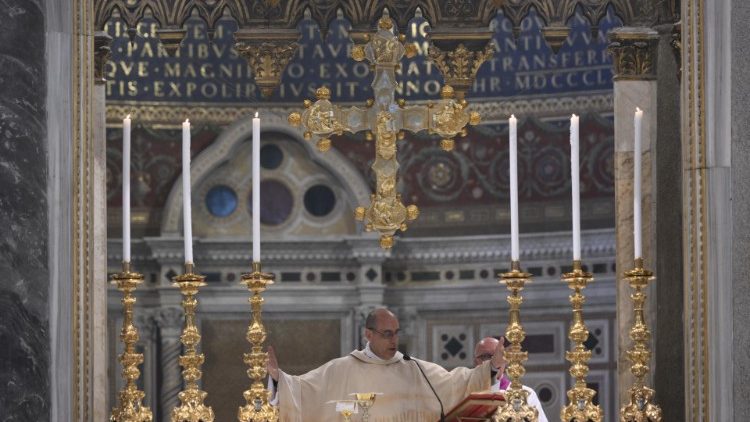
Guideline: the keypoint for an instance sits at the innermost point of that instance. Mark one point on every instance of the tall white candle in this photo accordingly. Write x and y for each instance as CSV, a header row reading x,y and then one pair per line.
x,y
575,187
187,219
513,134
637,242
256,188
126,189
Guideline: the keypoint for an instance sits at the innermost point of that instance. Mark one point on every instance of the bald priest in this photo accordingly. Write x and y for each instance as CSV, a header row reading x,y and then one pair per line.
x,y
407,396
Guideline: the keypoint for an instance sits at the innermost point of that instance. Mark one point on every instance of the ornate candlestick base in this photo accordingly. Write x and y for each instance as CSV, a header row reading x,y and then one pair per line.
x,y
581,407
516,407
129,407
192,408
257,407
641,408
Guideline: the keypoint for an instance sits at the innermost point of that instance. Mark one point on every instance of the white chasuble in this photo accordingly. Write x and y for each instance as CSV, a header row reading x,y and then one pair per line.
x,y
405,397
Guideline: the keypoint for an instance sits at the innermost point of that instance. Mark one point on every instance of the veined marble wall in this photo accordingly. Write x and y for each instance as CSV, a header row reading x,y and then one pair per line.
x,y
24,286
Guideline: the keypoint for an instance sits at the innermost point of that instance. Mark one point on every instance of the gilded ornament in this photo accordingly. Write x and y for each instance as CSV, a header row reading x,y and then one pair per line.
x,y
516,407
641,407
386,125
410,50
192,407
324,144
257,407
294,119
266,57
359,213
358,53
447,145
129,400
386,241
323,93
412,212
474,118
385,23
580,407
460,65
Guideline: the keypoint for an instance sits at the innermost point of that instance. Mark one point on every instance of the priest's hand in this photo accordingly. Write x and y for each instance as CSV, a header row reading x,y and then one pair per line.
x,y
273,365
498,360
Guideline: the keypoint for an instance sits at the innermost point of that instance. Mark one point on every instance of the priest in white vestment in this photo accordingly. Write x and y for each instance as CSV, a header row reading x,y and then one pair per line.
x,y
379,368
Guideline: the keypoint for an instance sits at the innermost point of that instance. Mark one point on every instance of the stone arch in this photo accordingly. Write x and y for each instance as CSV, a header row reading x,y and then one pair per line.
x,y
351,180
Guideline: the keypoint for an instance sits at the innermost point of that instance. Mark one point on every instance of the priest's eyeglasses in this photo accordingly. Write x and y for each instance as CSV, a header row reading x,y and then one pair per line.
x,y
387,334
484,357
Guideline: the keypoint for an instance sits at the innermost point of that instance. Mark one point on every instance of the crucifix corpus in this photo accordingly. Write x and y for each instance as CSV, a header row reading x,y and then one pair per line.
x,y
385,119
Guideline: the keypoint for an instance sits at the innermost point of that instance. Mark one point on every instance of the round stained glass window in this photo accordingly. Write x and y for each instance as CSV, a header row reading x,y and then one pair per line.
x,y
271,156
221,201
276,202
320,200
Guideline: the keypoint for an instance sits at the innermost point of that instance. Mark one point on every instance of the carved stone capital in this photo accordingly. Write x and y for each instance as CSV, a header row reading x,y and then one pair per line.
x,y
459,56
634,53
170,318
267,52
102,53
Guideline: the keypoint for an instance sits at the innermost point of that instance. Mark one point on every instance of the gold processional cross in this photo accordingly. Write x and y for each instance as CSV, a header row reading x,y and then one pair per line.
x,y
386,119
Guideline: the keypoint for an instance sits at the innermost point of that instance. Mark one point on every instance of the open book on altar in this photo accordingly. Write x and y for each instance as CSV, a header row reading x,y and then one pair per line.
x,y
476,407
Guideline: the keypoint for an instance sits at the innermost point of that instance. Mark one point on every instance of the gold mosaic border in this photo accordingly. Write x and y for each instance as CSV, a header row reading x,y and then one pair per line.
x,y
170,115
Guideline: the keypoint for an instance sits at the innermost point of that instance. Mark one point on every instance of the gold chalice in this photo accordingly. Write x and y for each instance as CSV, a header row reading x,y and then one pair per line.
x,y
345,408
365,402
347,414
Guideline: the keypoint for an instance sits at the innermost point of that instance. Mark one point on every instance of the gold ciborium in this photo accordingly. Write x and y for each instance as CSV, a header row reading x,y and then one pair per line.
x,y
365,402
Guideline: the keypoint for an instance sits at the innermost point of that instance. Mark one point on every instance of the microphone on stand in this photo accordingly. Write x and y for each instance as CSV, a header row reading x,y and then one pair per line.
x,y
442,412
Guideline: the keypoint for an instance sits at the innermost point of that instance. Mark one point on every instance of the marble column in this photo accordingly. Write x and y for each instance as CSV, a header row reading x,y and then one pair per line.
x,y
24,238
169,320
634,61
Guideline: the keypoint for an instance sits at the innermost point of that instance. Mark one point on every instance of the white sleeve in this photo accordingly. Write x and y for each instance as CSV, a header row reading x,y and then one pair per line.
x,y
533,400
273,396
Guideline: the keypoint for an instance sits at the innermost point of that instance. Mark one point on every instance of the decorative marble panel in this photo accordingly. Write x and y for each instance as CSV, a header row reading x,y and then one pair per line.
x,y
599,340
453,345
545,340
550,388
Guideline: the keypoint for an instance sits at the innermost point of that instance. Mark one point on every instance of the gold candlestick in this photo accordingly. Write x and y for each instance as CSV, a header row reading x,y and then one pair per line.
x,y
580,406
640,408
516,407
192,408
129,407
257,407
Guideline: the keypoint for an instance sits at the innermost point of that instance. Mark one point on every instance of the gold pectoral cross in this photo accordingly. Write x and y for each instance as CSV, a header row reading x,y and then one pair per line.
x,y
385,119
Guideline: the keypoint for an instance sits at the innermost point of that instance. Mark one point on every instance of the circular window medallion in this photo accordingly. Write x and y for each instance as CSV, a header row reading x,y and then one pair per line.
x,y
276,202
320,200
221,201
271,156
